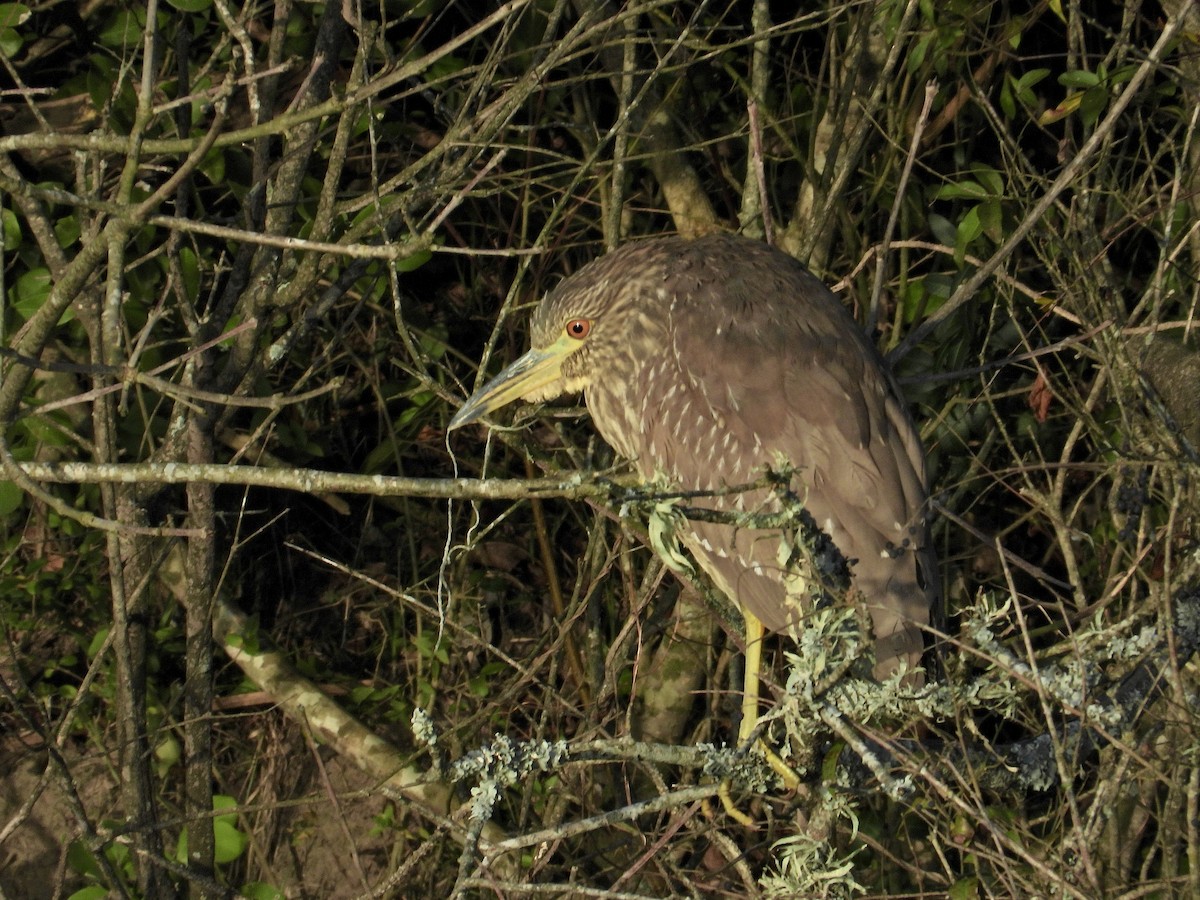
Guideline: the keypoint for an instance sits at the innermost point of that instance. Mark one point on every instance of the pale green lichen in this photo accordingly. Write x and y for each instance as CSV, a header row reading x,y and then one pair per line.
x,y
483,800
423,730
505,761
807,864
748,769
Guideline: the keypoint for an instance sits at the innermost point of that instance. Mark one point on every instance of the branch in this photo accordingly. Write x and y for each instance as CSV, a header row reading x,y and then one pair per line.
x,y
969,288
1029,765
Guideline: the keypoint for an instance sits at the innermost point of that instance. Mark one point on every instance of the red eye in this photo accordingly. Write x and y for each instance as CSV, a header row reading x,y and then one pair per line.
x,y
579,328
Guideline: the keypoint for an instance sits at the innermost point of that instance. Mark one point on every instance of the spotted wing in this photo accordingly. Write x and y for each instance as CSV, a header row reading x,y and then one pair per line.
x,y
770,369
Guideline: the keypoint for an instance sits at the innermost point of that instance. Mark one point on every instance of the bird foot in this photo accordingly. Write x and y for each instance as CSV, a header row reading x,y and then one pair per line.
x,y
791,781
731,809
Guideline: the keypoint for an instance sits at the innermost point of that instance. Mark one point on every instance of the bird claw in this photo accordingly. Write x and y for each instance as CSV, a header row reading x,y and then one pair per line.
x,y
791,781
731,810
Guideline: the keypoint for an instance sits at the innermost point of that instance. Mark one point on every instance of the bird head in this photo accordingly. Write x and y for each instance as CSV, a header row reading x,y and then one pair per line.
x,y
576,324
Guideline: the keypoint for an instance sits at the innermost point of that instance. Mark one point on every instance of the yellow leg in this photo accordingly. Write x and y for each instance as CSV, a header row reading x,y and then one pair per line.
x,y
754,639
750,688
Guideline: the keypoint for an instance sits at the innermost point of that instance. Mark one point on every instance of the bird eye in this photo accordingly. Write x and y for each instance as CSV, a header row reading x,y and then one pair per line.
x,y
579,328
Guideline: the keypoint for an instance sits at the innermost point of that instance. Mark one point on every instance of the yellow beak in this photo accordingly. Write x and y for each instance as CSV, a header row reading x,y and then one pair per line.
x,y
534,370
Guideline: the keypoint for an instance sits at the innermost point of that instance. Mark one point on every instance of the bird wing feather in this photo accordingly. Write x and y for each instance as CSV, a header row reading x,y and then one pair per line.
x,y
801,385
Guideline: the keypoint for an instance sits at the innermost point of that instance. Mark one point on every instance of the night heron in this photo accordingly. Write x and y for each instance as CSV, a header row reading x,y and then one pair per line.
x,y
708,361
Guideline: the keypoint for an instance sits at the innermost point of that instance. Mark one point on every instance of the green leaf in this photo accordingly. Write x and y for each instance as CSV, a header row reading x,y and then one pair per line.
x,y
82,861
1122,75
43,430
380,459
444,67
939,287
479,686
917,56
95,892
418,259
230,843
189,266
11,498
1092,105
970,190
381,205
990,216
121,856
67,231
1007,104
32,289
33,286
11,226
190,6
258,890
428,646
433,344
213,165
1031,78
992,181
1023,87
13,14
246,641
96,643
1079,79
10,41
913,299
167,754
968,229
124,28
